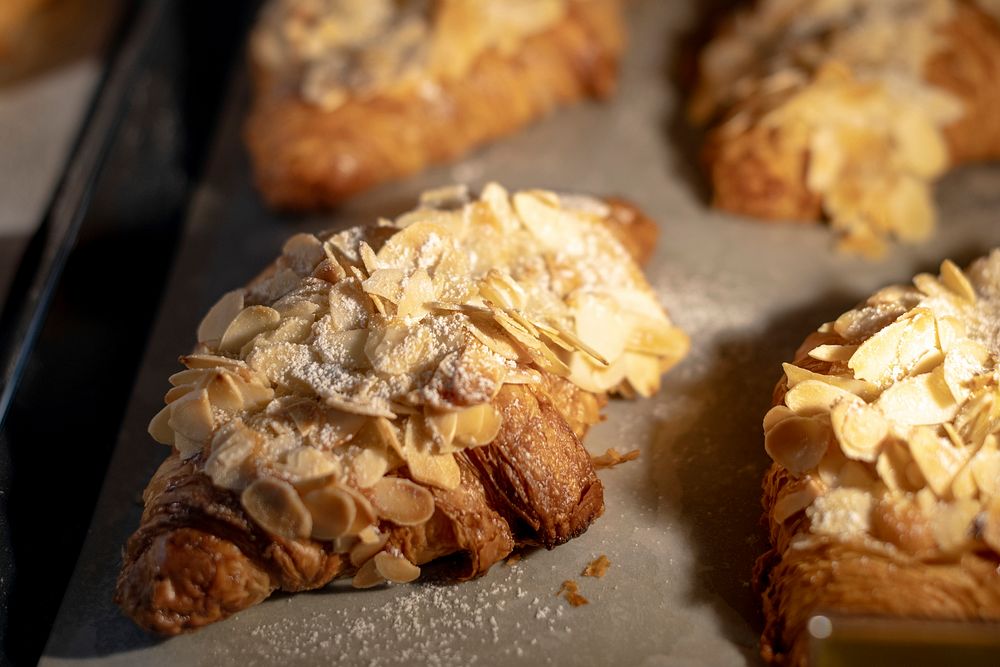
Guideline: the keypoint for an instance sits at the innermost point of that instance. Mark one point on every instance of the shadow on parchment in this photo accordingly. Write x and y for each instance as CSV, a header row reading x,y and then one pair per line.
x,y
715,455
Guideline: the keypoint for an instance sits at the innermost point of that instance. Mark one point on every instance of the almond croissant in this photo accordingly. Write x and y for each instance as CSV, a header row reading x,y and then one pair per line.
x,y
394,394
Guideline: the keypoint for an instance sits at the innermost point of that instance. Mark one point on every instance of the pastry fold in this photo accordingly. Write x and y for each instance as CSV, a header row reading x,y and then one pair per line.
x,y
207,547
306,156
882,498
848,117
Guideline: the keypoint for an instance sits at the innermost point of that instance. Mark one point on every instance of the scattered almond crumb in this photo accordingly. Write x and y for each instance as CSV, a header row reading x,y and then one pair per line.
x,y
613,457
598,567
572,592
513,559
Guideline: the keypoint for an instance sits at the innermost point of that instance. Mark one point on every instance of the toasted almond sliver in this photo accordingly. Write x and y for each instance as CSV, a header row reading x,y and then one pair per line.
x,y
776,414
191,416
442,426
401,501
395,568
440,470
796,498
303,464
333,512
892,464
924,399
196,361
841,512
159,427
643,373
362,552
814,397
246,325
186,447
937,459
893,351
833,353
950,330
965,360
955,279
859,429
176,392
865,390
224,392
364,514
304,251
478,425
797,443
277,508
228,464
418,291
985,469
219,316
368,576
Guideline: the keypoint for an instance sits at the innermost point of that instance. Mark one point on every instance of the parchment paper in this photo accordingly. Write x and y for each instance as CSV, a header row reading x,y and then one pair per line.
x,y
682,523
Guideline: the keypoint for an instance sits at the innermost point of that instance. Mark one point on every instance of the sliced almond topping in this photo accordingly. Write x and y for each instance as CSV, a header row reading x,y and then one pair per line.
x,y
796,497
985,468
159,427
246,325
219,316
186,447
230,465
643,373
364,514
965,360
892,464
832,353
500,287
797,443
277,508
363,551
308,463
859,428
417,292
368,576
442,426
369,465
776,414
191,416
865,390
924,399
224,391
440,470
386,284
937,459
333,512
592,314
303,252
477,425
401,501
196,361
950,331
893,351
395,568
955,280
813,397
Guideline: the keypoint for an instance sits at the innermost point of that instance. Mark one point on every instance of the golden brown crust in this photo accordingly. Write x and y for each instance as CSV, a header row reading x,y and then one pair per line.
x,y
856,578
307,158
760,173
198,558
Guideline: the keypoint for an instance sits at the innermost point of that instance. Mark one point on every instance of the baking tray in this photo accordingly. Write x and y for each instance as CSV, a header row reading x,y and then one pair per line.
x,y
682,523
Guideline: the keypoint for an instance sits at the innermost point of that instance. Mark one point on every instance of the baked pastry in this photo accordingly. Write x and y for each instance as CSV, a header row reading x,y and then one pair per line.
x,y
848,110
392,394
352,93
884,495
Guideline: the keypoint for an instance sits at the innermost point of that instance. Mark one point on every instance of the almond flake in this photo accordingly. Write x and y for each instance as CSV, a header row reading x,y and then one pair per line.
x,y
797,443
401,501
395,568
277,508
